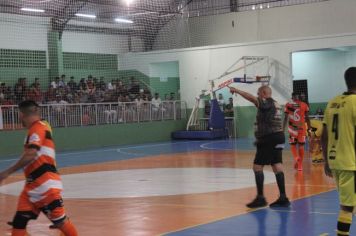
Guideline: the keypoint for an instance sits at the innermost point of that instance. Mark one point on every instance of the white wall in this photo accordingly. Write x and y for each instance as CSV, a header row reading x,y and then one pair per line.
x,y
99,42
296,21
175,34
94,43
198,65
350,55
324,71
164,69
23,32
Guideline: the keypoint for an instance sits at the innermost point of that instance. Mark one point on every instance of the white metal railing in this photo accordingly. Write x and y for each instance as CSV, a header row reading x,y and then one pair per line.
x,y
67,115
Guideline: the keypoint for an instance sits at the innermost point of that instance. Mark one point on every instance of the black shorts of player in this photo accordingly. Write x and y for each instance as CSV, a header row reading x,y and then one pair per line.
x,y
269,149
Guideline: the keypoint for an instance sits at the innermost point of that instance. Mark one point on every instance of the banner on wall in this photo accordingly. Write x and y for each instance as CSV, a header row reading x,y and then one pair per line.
x,y
1,123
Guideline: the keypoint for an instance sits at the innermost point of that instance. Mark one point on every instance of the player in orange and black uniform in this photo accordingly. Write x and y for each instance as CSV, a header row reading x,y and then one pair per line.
x,y
296,112
42,191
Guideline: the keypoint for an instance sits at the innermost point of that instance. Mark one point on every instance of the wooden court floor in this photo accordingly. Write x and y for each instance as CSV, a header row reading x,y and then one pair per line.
x,y
161,214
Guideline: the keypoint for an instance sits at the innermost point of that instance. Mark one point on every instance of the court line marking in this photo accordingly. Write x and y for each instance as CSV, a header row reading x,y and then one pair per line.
x,y
240,214
323,213
204,146
111,149
311,212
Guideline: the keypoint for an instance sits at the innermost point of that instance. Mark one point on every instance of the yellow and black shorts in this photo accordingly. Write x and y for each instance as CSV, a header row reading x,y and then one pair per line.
x,y
346,185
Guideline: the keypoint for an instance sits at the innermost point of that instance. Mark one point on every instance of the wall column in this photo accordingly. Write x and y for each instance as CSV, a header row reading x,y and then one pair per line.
x,y
55,55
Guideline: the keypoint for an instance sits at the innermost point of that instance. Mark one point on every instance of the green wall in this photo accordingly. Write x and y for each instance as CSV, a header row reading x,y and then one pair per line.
x,y
55,54
82,73
245,117
314,106
75,138
165,87
125,75
11,75
23,63
80,65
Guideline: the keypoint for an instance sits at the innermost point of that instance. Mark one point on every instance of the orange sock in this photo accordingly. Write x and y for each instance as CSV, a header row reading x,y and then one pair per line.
x,y
18,232
68,229
293,149
301,152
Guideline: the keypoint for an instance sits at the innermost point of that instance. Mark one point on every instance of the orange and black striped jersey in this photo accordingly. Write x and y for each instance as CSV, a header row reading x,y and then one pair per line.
x,y
41,174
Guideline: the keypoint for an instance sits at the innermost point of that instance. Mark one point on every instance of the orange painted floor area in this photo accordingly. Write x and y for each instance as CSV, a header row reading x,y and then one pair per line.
x,y
146,216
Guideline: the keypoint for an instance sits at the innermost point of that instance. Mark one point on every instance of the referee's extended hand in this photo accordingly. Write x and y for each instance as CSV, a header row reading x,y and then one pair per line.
x,y
232,89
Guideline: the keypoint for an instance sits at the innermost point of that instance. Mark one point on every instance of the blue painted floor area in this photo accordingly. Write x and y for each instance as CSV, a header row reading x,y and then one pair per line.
x,y
92,156
312,216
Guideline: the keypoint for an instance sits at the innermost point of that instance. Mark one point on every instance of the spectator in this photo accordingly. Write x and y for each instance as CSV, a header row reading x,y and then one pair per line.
x,y
36,83
221,102
50,95
35,93
229,108
3,89
134,86
59,109
156,106
96,83
72,84
90,86
172,97
111,85
83,97
166,97
62,82
55,83
82,85
102,83
156,102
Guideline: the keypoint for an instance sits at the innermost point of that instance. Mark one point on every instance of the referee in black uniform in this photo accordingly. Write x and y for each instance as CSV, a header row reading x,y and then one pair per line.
x,y
270,141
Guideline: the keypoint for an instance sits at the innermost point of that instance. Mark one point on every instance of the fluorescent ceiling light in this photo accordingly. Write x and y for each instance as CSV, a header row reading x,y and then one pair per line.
x,y
120,20
253,7
32,10
86,15
261,6
128,2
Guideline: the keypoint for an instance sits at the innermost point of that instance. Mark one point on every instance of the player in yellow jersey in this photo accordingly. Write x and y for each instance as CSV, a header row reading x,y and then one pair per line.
x,y
316,128
339,143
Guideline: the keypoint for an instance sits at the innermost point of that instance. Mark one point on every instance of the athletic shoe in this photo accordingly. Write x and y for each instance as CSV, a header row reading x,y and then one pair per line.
x,y
281,202
257,202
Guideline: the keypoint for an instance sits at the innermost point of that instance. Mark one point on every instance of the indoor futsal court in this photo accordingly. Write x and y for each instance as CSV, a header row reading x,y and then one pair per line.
x,y
181,188
156,117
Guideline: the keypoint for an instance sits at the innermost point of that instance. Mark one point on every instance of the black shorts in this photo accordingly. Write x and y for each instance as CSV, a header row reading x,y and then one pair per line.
x,y
269,149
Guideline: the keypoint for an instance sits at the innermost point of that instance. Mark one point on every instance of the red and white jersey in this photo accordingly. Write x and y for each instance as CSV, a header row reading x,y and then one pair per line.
x,y
296,111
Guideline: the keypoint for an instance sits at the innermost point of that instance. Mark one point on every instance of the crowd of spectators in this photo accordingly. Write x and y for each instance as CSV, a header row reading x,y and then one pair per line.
x,y
87,90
